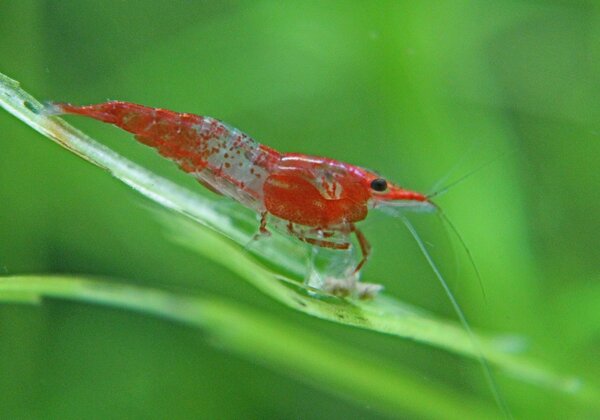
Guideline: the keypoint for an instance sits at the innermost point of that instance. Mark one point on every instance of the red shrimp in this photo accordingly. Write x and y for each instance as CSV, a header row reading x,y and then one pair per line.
x,y
316,199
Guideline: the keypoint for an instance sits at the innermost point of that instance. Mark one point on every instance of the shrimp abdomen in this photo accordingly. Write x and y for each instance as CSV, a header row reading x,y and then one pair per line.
x,y
219,156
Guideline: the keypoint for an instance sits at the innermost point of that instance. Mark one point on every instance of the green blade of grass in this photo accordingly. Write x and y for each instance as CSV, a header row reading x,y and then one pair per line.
x,y
262,338
385,315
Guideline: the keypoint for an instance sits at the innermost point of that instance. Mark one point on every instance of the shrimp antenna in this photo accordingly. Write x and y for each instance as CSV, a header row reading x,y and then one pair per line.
x,y
453,169
463,319
445,218
445,189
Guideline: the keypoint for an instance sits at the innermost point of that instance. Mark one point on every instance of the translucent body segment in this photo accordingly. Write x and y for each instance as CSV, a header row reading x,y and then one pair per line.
x,y
235,163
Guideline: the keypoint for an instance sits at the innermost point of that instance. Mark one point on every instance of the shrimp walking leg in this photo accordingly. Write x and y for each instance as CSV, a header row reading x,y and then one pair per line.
x,y
365,247
262,230
350,284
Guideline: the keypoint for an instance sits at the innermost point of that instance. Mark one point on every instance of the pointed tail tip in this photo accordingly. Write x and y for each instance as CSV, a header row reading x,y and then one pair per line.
x,y
102,112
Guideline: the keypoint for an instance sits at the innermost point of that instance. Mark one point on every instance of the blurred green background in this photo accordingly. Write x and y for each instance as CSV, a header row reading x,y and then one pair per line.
x,y
411,89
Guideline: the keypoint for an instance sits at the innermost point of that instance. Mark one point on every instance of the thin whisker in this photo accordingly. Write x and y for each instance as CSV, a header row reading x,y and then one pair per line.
x,y
453,169
445,189
445,218
461,316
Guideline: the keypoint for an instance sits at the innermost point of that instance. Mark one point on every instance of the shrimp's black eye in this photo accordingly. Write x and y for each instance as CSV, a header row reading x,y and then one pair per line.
x,y
379,184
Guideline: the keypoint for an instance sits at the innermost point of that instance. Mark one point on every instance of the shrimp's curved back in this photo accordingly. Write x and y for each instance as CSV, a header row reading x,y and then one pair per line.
x,y
220,157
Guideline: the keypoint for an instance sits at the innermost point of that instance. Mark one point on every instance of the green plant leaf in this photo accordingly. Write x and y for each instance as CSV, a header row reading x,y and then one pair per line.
x,y
259,337
222,230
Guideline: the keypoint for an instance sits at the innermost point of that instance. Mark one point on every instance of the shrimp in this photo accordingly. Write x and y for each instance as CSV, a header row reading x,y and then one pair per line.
x,y
315,199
